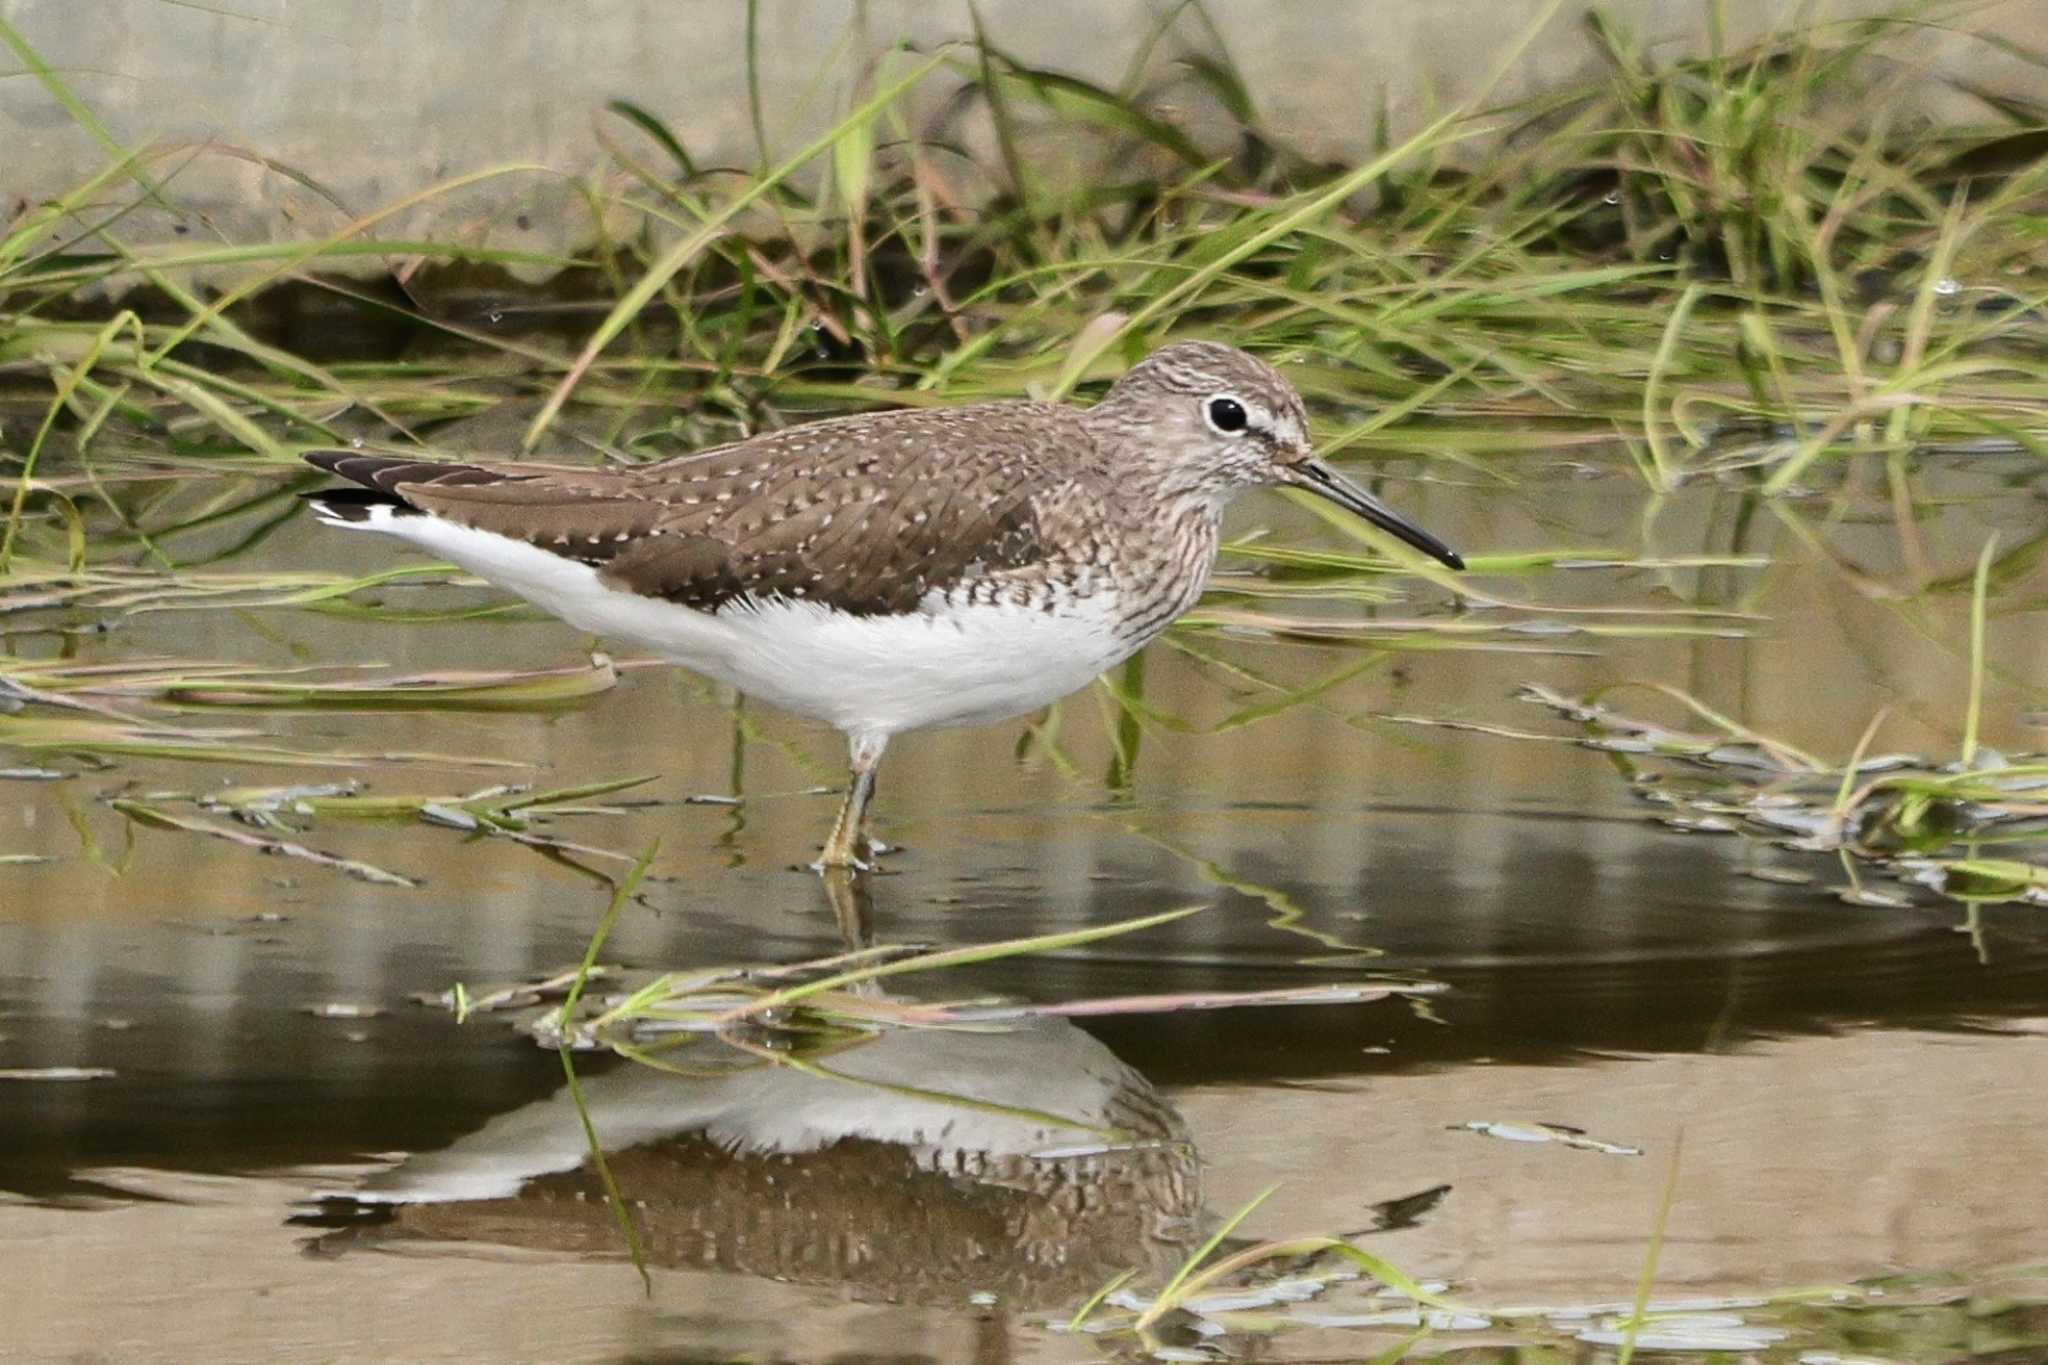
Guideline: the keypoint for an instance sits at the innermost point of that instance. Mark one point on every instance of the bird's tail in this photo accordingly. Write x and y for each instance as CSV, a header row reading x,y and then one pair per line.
x,y
374,504
357,508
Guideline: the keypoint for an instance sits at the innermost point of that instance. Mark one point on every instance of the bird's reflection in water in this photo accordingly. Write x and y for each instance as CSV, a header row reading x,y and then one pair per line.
x,y
918,1165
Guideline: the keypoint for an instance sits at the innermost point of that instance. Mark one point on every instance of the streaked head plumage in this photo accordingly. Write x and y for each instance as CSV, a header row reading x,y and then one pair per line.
x,y
1207,419
1213,408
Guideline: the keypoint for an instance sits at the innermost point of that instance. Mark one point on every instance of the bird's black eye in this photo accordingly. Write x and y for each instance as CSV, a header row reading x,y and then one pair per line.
x,y
1227,415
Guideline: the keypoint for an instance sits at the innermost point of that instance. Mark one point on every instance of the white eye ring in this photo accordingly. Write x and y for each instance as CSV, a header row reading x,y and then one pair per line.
x,y
1226,414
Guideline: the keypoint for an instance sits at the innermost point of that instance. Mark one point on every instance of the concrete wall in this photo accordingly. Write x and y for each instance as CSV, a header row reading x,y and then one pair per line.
x,y
380,99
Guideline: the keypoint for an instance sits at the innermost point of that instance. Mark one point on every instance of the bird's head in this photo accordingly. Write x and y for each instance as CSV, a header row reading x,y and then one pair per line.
x,y
1222,420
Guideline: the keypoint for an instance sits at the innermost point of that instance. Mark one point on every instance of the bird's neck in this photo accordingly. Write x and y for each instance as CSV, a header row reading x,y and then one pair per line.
x,y
1148,482
1181,497
1168,544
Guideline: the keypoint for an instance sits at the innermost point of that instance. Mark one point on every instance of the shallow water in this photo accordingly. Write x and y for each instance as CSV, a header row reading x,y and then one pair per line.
x,y
1832,1091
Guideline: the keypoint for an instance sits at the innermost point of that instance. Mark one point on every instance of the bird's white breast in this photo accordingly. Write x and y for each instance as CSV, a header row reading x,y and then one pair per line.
x,y
944,664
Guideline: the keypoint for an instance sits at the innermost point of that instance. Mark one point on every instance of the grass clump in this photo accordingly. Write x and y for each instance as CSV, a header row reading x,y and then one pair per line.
x,y
1751,236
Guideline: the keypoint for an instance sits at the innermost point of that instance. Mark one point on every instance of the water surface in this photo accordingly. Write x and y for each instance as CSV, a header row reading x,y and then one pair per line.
x,y
1840,1086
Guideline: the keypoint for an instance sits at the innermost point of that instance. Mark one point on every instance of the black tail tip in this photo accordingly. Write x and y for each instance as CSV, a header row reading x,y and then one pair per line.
x,y
355,506
328,460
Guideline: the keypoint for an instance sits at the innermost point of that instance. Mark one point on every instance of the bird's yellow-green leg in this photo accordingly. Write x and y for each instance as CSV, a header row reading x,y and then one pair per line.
x,y
849,831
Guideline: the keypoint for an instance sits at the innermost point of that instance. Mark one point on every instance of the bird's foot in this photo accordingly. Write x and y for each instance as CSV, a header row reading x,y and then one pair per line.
x,y
873,850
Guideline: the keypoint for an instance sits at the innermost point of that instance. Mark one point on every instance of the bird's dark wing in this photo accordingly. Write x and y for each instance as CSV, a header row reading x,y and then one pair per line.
x,y
865,514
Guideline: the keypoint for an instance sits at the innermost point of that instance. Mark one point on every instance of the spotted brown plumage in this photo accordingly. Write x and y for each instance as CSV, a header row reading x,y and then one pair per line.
x,y
892,570
868,515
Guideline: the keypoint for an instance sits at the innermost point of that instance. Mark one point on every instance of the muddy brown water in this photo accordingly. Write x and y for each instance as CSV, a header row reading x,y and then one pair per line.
x,y
1844,1091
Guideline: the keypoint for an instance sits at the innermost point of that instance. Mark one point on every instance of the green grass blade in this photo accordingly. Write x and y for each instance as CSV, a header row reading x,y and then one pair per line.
x,y
960,957
620,1213
1973,714
682,253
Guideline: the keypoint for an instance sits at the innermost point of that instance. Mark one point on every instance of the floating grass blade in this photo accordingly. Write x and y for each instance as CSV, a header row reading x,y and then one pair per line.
x,y
956,957
147,814
454,690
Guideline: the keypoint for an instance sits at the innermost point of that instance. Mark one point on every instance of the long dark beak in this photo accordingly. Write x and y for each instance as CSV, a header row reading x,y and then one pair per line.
x,y
1325,482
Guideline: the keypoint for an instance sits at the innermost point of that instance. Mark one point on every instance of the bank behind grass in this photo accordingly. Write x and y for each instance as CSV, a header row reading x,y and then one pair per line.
x,y
1743,263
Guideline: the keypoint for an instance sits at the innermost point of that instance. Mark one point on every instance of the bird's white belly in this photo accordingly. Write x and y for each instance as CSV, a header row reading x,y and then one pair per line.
x,y
935,667
861,674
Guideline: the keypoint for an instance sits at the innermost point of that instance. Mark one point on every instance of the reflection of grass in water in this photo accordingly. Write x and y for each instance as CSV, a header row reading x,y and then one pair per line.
x,y
202,686
1288,915
1918,819
621,894
100,714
